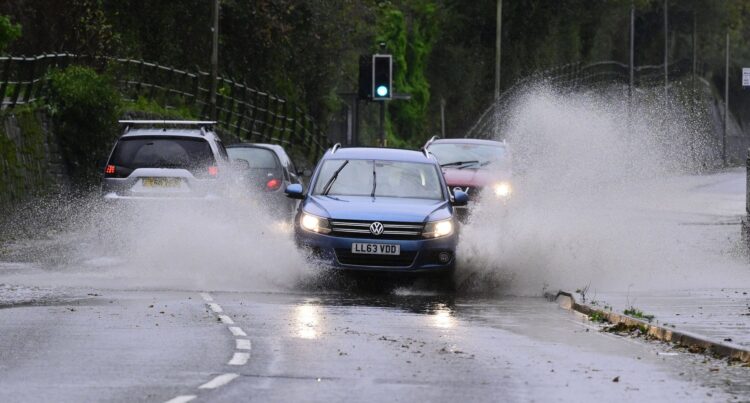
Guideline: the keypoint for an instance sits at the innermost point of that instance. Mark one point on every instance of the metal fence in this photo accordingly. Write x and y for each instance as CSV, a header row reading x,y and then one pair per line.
x,y
576,77
244,112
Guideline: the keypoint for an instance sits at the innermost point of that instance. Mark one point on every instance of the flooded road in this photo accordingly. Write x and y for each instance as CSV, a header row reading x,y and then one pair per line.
x,y
123,344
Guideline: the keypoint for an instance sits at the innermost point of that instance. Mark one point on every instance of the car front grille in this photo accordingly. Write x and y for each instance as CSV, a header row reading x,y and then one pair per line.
x,y
391,230
345,256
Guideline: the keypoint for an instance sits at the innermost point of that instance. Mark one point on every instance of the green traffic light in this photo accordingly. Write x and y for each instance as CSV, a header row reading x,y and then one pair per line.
x,y
382,90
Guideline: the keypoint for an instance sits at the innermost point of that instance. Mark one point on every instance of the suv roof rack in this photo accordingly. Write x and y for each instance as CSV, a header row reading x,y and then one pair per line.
x,y
157,123
335,148
163,124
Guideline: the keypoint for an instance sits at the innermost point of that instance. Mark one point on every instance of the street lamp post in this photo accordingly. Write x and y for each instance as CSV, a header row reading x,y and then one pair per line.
x,y
214,57
498,47
726,102
631,64
666,52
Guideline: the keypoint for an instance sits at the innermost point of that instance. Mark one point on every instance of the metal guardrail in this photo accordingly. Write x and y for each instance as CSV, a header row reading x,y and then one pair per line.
x,y
245,112
577,76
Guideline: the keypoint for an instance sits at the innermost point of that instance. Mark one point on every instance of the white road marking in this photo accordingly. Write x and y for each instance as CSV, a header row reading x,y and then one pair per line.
x,y
181,399
236,331
215,307
226,319
239,359
206,297
219,381
243,344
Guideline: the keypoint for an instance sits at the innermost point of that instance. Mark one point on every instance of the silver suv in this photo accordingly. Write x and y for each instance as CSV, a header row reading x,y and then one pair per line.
x,y
167,159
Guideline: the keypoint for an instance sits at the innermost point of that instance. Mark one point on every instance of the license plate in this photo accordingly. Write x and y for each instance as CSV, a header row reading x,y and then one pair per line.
x,y
376,249
161,182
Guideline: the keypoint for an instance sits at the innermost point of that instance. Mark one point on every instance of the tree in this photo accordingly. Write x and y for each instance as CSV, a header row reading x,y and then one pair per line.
x,y
8,32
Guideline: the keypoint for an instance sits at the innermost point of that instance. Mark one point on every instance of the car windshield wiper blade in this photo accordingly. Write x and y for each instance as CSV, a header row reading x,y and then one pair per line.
x,y
329,184
451,164
474,164
374,180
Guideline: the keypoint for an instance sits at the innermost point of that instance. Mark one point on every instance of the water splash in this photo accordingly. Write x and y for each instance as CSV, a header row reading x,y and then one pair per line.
x,y
602,200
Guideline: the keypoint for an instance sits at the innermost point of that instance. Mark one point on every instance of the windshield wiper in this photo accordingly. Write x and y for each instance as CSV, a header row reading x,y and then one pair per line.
x,y
329,184
374,180
451,164
475,164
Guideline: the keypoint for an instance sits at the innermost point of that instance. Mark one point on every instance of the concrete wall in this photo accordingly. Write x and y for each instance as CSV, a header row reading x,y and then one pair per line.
x,y
30,159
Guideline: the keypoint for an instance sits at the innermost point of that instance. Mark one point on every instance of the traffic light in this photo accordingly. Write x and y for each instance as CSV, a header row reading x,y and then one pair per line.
x,y
382,77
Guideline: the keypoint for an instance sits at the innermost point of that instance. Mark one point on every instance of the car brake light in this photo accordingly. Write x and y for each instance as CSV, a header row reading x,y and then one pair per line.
x,y
109,170
213,171
273,184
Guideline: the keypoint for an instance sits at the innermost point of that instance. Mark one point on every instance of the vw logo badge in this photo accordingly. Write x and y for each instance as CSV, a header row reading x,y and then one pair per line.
x,y
376,228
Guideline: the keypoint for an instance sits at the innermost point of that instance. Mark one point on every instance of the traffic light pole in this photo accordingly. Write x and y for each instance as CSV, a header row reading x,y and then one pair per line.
x,y
381,132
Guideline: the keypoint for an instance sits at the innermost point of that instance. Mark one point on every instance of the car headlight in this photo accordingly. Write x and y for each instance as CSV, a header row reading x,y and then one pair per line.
x,y
502,189
314,223
438,229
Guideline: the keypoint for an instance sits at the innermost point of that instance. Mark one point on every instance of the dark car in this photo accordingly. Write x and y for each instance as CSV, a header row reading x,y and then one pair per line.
x,y
378,209
475,167
266,170
167,160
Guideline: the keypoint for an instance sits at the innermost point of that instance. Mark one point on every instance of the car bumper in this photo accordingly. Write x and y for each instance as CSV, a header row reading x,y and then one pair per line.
x,y
417,256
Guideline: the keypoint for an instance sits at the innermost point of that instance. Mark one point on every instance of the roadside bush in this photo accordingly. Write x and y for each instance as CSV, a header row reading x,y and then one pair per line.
x,y
85,106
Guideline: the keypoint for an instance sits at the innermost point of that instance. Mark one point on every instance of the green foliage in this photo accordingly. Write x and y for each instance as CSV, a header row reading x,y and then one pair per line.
x,y
93,35
638,314
8,32
307,51
85,106
411,45
152,108
598,317
23,157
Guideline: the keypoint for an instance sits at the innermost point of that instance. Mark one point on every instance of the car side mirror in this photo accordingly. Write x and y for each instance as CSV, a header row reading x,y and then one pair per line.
x,y
460,198
306,173
240,164
294,191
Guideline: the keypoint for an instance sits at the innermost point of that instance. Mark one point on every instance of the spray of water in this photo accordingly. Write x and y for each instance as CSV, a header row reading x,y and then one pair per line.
x,y
598,201
228,245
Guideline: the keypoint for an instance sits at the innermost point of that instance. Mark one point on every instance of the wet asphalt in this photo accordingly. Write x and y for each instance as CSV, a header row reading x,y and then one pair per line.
x,y
406,345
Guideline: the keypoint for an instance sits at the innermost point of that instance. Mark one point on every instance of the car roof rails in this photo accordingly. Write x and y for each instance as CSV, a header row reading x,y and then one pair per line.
x,y
204,125
335,148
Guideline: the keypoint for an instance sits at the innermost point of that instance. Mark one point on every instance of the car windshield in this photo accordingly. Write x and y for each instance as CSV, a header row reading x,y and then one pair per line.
x,y
378,178
193,154
257,158
470,155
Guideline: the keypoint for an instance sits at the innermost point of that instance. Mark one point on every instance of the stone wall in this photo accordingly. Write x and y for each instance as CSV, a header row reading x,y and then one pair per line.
x,y
30,159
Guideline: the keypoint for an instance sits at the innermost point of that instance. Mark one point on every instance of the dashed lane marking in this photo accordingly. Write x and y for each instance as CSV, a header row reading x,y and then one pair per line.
x,y
181,399
226,319
236,331
219,381
243,344
239,359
